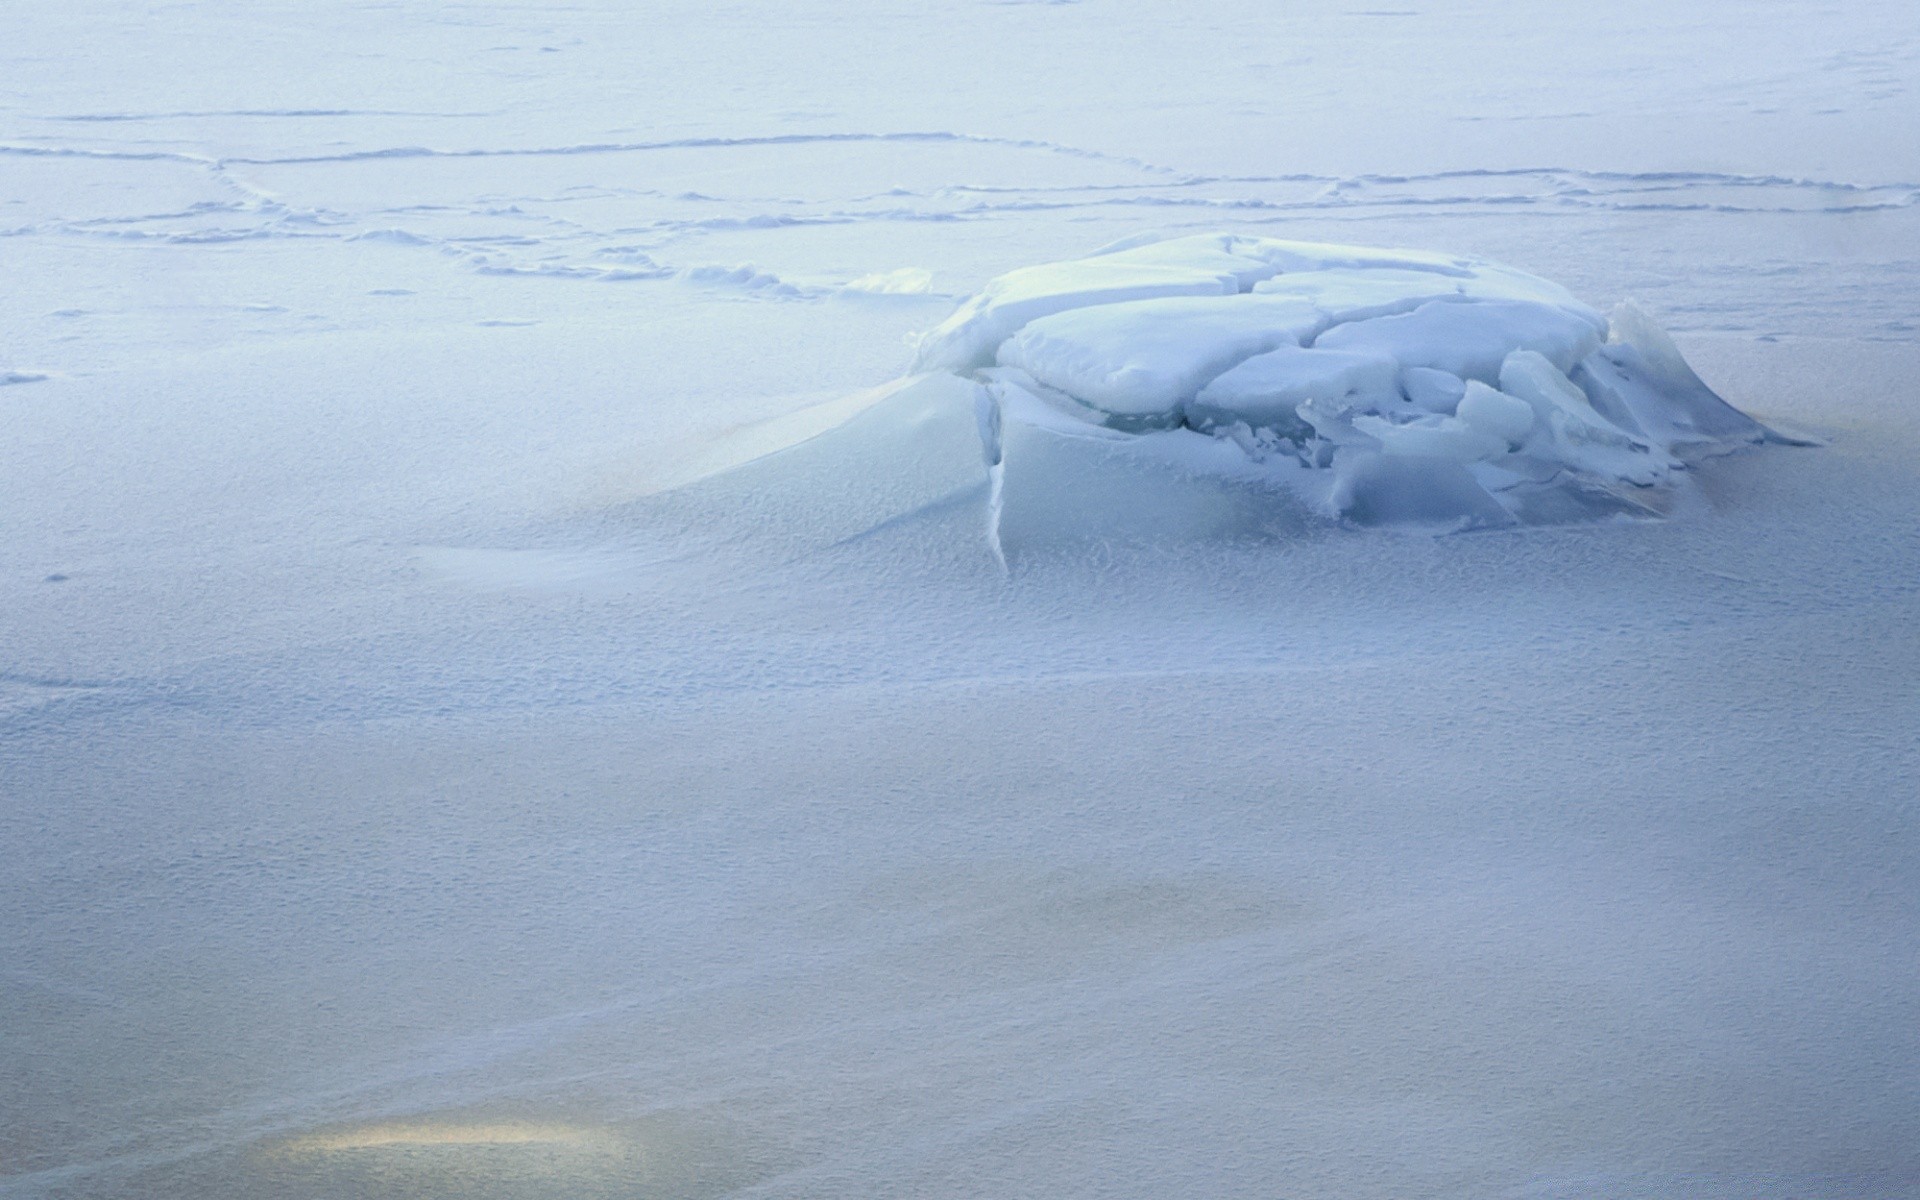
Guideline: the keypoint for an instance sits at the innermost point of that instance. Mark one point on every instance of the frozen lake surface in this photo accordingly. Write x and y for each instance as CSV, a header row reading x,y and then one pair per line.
x,y
404,790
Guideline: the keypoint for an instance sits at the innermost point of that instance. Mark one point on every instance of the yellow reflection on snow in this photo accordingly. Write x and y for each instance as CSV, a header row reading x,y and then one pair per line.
x,y
397,1134
494,1155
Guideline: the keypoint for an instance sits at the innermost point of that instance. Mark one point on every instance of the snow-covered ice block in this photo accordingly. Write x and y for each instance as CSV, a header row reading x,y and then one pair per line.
x,y
1198,386
1569,431
1064,483
1470,340
1640,381
1267,390
1508,418
1141,361
1242,258
1432,437
1432,391
1349,294
968,339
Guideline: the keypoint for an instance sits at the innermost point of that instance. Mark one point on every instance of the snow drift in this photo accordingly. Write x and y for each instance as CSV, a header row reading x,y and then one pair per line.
x,y
1220,383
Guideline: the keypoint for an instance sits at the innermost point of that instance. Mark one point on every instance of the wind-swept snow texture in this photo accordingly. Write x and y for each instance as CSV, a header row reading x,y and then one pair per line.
x,y
507,693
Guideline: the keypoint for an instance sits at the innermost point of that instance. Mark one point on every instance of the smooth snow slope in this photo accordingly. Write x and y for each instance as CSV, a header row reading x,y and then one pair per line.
x,y
407,787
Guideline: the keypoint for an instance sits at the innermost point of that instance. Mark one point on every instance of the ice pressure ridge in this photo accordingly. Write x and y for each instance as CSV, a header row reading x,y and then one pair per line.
x,y
1425,387
1200,384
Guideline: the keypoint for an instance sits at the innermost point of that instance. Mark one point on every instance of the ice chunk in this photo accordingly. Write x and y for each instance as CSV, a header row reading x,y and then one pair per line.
x,y
1267,390
1353,294
1470,340
1432,391
967,340
1068,483
1432,437
1332,422
1631,326
1324,256
1496,413
1224,253
1184,387
1557,401
1640,381
1141,361
1568,429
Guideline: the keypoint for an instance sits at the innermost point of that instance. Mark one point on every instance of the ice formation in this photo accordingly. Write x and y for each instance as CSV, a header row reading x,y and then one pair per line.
x,y
1184,385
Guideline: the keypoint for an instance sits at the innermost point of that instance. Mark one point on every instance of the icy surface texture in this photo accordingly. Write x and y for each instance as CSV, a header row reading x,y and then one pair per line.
x,y
1379,386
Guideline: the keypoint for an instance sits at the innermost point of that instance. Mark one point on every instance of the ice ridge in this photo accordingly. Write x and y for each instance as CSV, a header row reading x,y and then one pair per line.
x,y
1222,384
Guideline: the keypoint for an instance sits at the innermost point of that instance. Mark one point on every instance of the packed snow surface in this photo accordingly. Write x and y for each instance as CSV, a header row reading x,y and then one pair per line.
x,y
507,693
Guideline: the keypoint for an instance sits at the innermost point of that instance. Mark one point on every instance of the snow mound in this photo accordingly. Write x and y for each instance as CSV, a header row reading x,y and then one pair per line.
x,y
1204,384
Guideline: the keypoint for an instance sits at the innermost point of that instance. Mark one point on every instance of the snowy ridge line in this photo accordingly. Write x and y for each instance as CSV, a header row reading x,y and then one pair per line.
x,y
1187,180
1611,176
190,237
1371,179
313,221
495,235
60,682
1335,197
1619,190
28,703
744,277
1573,200
482,266
110,155
215,113
988,189
674,228
1566,200
588,264
1836,209
1318,205
198,209
786,139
